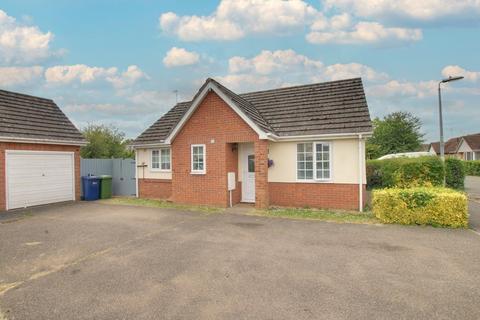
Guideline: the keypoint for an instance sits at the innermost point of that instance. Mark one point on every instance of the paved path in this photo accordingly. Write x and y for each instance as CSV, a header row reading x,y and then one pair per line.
x,y
472,187
94,261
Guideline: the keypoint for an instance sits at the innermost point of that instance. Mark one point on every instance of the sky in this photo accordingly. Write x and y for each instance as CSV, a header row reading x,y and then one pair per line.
x,y
124,63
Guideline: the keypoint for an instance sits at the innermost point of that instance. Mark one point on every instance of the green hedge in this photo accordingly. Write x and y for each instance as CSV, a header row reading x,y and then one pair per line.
x,y
454,173
405,172
421,205
472,168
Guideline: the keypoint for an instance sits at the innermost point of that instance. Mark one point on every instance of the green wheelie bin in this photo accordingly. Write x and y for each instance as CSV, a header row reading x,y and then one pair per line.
x,y
105,186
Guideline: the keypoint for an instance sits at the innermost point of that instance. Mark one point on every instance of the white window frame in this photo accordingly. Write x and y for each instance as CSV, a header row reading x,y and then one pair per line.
x,y
159,169
472,153
204,171
314,154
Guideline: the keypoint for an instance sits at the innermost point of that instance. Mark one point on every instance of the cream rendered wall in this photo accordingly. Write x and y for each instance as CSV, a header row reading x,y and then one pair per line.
x,y
345,161
464,147
144,157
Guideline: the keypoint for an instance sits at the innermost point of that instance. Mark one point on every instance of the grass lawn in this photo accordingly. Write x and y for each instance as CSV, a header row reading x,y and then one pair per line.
x,y
317,214
160,204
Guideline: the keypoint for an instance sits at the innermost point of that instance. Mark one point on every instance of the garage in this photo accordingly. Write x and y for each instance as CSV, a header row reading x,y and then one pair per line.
x,y
39,152
39,177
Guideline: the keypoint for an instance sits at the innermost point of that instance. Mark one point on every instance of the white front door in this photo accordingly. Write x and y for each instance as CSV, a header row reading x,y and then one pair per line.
x,y
248,175
39,177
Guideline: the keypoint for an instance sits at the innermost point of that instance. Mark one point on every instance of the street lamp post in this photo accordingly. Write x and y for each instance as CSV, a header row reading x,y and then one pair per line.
x,y
442,145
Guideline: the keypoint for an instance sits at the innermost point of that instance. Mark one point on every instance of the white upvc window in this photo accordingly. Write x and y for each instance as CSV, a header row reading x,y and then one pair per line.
x,y
198,159
161,159
469,156
314,161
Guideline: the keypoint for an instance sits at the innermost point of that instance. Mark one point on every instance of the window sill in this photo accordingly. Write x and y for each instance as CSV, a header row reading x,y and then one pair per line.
x,y
315,181
160,170
198,172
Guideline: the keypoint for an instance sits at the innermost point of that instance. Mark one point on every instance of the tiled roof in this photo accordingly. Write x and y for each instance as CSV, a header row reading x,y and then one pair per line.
x,y
473,141
451,145
323,108
160,130
29,117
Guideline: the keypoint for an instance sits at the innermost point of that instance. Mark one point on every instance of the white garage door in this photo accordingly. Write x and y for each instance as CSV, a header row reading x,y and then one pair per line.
x,y
39,177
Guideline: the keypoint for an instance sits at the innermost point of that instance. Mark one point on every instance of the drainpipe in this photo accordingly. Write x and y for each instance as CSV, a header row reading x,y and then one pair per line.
x,y
360,174
136,173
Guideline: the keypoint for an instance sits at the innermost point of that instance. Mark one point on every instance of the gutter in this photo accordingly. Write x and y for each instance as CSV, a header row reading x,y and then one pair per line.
x,y
275,137
360,174
43,141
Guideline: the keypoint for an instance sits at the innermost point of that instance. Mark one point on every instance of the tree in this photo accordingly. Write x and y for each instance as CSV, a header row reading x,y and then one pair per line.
x,y
104,142
397,132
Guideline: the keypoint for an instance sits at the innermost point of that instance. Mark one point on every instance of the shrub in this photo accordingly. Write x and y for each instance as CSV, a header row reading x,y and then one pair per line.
x,y
454,173
421,205
405,172
472,168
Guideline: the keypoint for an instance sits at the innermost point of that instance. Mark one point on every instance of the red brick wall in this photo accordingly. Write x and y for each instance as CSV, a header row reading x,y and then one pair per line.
x,y
231,162
213,119
316,195
262,198
155,188
36,147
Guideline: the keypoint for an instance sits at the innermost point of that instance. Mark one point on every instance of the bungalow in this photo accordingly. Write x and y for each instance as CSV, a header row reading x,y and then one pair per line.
x,y
469,147
297,146
39,152
463,147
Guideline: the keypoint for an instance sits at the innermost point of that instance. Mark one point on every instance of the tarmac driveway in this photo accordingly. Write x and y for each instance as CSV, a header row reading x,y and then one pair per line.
x,y
95,261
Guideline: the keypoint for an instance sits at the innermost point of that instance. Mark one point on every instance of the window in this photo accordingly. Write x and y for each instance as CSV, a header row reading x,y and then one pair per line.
x,y
468,156
155,159
304,161
198,158
322,160
314,161
251,163
161,160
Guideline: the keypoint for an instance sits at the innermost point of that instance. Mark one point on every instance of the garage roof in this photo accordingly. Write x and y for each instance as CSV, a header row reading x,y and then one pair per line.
x,y
29,118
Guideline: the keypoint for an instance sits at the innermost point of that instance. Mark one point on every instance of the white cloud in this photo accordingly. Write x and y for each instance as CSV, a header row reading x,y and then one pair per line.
x,y
249,82
452,71
364,32
268,62
84,74
351,70
394,88
176,57
422,11
21,44
14,76
79,72
234,19
286,67
132,75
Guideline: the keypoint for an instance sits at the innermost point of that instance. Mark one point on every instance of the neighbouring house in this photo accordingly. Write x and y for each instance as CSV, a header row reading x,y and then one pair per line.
x,y
39,152
469,147
301,146
464,147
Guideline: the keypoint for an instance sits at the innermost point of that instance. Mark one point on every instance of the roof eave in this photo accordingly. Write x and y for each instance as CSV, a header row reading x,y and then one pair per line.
x,y
43,141
331,136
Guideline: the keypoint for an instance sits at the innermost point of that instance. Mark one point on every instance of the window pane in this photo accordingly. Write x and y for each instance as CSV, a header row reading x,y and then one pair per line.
x,y
309,174
301,174
155,159
305,161
251,163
